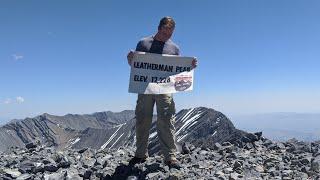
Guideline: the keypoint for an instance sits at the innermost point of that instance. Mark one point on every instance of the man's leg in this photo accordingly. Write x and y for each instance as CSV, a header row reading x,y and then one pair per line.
x,y
144,113
165,125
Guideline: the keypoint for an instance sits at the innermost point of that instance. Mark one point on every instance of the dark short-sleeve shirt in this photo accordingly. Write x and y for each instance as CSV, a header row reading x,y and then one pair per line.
x,y
150,45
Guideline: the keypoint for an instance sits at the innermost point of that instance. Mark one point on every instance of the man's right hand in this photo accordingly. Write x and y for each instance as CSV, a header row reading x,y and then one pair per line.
x,y
130,57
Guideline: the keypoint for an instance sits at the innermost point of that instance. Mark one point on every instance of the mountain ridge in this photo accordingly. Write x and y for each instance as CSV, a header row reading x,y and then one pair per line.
x,y
114,130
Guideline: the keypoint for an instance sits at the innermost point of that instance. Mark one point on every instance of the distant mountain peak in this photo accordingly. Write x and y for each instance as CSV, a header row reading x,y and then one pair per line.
x,y
201,126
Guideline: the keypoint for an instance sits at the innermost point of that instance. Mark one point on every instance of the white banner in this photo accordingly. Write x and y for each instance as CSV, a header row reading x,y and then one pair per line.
x,y
160,74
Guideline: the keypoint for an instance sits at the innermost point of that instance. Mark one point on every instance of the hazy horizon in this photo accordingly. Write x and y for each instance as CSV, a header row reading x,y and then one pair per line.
x,y
232,117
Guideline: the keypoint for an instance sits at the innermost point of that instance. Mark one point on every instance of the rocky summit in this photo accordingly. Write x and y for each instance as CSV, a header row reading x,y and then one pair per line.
x,y
100,146
259,159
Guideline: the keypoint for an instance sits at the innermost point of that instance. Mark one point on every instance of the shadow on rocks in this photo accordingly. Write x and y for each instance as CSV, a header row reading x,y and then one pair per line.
x,y
128,172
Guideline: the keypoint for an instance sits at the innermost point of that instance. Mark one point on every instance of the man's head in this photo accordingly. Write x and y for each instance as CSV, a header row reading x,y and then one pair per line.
x,y
166,28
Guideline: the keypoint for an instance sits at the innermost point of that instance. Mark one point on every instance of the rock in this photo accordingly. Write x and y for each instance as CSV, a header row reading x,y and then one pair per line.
x,y
226,144
301,175
237,164
51,167
120,152
252,161
280,145
267,143
275,173
14,173
287,173
203,152
233,176
296,163
217,146
26,167
57,157
305,169
73,174
185,148
82,150
25,177
87,174
31,145
315,165
153,175
132,178
286,158
270,159
55,176
232,155
252,137
219,173
89,162
196,150
173,177
258,134
249,146
228,170
39,167
286,178
305,161
64,163
259,169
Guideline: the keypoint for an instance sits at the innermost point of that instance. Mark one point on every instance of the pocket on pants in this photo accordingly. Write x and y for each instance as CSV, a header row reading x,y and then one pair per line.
x,y
167,107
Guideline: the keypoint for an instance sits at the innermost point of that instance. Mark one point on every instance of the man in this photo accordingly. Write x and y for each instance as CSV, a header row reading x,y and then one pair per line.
x,y
159,44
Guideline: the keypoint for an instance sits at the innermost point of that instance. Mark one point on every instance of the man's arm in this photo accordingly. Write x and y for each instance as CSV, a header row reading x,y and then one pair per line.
x,y
194,62
139,47
130,57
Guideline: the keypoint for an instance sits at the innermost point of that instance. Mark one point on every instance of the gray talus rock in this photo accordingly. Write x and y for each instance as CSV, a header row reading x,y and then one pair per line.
x,y
14,173
51,167
55,176
315,164
73,174
25,177
26,166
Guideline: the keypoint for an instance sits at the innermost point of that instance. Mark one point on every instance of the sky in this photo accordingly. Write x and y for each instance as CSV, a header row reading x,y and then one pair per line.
x,y
61,57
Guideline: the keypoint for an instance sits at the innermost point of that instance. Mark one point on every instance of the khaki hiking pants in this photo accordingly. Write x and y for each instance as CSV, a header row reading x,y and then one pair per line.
x,y
165,123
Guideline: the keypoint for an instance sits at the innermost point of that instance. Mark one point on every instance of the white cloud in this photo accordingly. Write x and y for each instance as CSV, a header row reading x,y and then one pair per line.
x,y
7,101
17,56
20,99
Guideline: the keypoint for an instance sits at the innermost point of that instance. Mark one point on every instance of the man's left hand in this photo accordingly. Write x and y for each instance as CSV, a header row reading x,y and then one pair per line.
x,y
194,62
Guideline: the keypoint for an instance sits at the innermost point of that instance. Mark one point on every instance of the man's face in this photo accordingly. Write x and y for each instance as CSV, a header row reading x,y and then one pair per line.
x,y
166,32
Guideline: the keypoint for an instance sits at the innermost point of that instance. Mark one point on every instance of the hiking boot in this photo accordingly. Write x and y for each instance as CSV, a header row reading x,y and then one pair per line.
x,y
136,160
173,164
